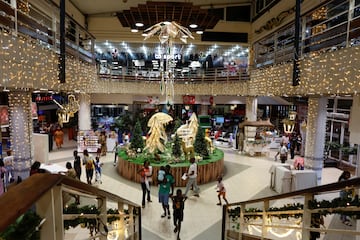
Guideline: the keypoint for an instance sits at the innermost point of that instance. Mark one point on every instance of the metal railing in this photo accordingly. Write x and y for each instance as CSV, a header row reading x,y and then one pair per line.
x,y
181,75
330,26
44,29
292,215
49,194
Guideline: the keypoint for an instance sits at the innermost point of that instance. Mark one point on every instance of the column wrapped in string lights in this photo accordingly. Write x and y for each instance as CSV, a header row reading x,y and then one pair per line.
x,y
315,134
168,32
21,128
84,112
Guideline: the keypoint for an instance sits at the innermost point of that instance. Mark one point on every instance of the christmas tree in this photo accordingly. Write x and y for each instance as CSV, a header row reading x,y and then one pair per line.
x,y
137,141
176,150
200,145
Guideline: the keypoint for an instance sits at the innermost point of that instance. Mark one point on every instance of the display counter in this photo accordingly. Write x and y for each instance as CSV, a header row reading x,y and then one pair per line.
x,y
87,140
256,146
284,180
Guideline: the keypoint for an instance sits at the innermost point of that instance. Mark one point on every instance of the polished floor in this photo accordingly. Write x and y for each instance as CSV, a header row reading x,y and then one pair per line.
x,y
244,177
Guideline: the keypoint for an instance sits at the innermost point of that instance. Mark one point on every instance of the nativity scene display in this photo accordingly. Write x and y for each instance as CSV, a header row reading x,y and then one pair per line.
x,y
175,147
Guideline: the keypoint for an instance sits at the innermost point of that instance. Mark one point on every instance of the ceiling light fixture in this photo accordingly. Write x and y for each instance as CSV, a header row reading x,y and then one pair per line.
x,y
193,25
139,24
199,32
134,30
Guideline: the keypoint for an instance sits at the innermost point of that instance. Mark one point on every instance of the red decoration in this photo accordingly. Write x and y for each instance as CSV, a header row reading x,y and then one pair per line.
x,y
188,99
211,100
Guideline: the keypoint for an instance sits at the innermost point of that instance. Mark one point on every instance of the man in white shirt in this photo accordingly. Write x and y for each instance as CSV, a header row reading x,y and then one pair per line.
x,y
283,151
192,175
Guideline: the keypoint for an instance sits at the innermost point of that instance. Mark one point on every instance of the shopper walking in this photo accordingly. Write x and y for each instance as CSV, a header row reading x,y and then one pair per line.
x,y
116,151
71,172
89,163
145,172
77,164
221,191
192,178
103,145
59,137
178,210
98,167
166,189
9,166
283,152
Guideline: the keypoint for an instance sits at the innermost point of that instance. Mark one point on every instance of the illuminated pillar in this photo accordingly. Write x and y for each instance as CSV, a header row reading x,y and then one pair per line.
x,y
315,135
251,108
84,112
21,128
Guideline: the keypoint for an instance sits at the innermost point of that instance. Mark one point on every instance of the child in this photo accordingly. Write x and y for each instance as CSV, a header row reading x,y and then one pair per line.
x,y
178,206
221,191
161,174
98,151
98,165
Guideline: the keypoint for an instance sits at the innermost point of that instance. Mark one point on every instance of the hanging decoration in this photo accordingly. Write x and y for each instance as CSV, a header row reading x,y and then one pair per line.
x,y
289,123
68,110
168,32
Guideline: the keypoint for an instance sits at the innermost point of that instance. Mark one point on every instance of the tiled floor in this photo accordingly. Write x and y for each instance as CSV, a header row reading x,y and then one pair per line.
x,y
201,216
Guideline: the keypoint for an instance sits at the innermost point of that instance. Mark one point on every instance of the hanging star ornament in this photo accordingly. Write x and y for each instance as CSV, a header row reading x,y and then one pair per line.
x,y
168,30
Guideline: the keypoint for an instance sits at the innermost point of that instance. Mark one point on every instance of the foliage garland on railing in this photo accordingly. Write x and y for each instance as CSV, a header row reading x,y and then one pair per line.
x,y
337,205
288,207
87,222
326,207
25,227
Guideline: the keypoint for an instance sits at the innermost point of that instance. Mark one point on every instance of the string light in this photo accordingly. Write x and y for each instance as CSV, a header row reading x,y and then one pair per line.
x,y
20,122
27,65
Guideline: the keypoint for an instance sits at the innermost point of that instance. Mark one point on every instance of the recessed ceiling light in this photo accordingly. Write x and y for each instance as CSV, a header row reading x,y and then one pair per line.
x,y
199,32
134,30
139,24
144,34
193,25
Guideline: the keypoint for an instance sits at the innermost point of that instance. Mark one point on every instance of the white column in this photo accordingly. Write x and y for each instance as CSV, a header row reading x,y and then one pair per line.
x,y
21,129
13,3
315,135
84,112
251,108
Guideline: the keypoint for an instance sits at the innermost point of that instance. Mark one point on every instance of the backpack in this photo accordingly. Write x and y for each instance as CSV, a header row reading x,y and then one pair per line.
x,y
89,164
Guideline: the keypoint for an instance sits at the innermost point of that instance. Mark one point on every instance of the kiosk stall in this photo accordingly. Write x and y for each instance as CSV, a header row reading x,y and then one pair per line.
x,y
257,138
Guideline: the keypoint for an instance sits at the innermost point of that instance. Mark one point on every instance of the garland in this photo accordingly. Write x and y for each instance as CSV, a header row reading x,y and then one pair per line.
x,y
88,222
25,227
337,205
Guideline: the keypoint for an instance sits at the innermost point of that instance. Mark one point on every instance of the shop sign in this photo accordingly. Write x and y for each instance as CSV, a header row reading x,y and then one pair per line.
x,y
239,112
43,98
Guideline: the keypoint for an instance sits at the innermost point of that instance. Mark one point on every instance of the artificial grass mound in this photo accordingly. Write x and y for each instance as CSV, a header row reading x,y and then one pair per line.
x,y
167,158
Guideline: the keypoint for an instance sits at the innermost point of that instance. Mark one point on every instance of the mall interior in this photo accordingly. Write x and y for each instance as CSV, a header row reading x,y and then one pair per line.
x,y
254,73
